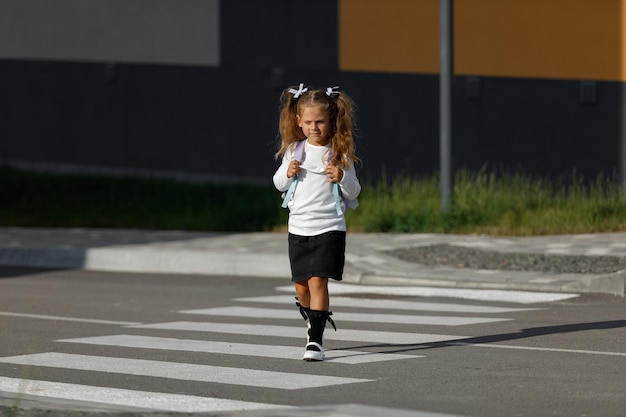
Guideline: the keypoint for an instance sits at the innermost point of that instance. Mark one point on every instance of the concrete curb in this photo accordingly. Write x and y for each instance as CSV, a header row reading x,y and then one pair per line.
x,y
339,410
613,284
149,260
168,260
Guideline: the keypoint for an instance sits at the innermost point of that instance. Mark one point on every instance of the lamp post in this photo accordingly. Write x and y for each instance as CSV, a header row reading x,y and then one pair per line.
x,y
446,91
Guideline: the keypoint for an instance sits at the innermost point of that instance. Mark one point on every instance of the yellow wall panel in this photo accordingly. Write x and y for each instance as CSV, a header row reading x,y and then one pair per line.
x,y
564,39
538,38
389,36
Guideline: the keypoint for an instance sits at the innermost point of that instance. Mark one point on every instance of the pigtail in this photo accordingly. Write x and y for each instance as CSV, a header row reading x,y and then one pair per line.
x,y
342,142
288,129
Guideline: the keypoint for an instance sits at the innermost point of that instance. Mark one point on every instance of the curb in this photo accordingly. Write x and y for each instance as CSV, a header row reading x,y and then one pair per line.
x,y
146,259
613,284
149,260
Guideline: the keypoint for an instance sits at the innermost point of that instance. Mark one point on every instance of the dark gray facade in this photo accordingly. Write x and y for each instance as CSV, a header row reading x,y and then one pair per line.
x,y
213,111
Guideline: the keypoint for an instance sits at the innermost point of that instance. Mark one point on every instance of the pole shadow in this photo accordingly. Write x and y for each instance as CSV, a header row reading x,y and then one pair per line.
x,y
522,334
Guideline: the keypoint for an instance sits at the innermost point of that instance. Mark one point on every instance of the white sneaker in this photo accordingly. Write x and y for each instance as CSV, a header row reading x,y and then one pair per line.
x,y
314,352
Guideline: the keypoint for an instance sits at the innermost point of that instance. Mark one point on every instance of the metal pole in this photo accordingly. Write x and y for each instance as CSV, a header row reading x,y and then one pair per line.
x,y
622,143
446,81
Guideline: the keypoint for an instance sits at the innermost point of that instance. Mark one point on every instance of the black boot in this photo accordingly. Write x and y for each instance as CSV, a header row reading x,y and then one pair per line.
x,y
304,311
314,350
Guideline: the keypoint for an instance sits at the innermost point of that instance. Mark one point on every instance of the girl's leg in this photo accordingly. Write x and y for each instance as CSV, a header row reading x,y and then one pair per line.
x,y
318,291
318,315
313,293
304,303
303,293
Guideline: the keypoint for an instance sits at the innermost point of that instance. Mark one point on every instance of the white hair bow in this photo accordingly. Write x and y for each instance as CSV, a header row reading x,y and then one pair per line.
x,y
331,91
301,90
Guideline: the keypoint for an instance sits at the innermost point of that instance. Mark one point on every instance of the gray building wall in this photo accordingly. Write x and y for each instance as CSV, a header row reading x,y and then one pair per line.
x,y
192,86
176,32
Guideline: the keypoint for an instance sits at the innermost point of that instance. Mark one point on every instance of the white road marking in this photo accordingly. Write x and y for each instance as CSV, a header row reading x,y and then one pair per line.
x,y
127,398
375,303
268,313
287,331
182,371
227,348
521,297
61,318
542,349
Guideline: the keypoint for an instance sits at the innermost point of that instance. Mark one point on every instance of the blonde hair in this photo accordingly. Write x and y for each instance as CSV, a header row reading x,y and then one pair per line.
x,y
340,110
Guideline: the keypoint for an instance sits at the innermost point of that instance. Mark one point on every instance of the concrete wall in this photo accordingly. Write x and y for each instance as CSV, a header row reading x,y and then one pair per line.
x,y
184,32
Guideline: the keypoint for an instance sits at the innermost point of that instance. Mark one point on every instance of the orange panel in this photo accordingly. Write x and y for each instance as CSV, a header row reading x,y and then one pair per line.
x,y
389,36
563,39
575,39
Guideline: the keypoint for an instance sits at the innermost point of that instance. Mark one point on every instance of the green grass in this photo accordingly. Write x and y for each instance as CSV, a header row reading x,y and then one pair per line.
x,y
54,200
484,203
510,204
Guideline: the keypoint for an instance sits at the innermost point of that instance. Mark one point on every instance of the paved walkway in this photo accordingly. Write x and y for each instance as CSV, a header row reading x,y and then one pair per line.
x,y
265,255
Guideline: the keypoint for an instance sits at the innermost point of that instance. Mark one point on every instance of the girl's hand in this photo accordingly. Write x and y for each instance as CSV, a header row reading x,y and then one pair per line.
x,y
293,169
334,173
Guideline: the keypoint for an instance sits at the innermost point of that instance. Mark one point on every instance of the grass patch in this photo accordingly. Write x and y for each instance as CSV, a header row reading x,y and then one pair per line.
x,y
63,200
485,203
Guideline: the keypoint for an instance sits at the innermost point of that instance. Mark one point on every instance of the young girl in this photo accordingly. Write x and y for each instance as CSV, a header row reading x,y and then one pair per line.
x,y
317,227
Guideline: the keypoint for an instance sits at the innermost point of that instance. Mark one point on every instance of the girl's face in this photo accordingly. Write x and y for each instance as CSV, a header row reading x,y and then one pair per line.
x,y
315,124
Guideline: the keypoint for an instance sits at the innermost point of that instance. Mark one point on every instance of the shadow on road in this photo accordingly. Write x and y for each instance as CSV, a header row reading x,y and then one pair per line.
x,y
522,334
18,271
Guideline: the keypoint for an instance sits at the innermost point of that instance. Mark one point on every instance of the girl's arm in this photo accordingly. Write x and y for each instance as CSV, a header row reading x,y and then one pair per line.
x,y
349,184
281,181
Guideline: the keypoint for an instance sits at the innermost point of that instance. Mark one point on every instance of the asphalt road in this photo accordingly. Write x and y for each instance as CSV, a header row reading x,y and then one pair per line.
x,y
118,341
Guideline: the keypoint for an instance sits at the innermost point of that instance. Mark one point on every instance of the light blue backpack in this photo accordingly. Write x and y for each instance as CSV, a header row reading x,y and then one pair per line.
x,y
299,156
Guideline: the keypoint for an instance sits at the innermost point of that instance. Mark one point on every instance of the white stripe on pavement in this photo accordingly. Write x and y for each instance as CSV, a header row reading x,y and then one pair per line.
x,y
61,318
182,371
287,331
362,302
542,349
126,398
227,348
521,297
268,313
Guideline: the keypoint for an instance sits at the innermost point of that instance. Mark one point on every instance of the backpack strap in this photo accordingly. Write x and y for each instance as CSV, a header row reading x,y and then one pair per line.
x,y
338,198
298,155
337,193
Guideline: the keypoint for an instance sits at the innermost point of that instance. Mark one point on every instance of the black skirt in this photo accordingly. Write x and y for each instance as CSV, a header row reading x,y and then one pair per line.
x,y
317,256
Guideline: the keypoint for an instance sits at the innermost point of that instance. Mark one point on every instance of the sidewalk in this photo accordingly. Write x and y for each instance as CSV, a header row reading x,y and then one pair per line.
x,y
265,255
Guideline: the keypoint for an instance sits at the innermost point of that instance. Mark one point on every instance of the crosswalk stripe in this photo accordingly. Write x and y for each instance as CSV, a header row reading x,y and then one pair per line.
x,y
541,349
126,398
268,351
287,331
62,318
267,313
183,371
374,303
509,296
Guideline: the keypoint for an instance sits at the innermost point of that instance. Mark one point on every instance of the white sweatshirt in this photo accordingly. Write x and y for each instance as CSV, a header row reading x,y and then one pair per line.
x,y
312,209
